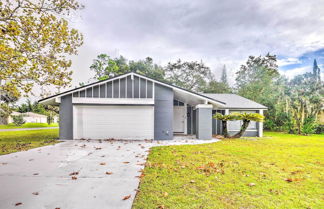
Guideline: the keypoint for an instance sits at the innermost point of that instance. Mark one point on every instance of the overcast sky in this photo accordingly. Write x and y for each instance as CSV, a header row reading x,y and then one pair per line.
x,y
216,31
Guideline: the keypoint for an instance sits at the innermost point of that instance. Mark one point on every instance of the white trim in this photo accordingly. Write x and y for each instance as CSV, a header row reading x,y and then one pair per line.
x,y
119,88
139,87
204,106
126,87
153,90
146,88
92,92
112,89
58,99
186,120
88,100
133,86
75,119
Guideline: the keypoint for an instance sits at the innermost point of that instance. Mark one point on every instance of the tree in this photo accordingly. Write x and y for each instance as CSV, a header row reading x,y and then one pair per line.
x,y
189,75
306,98
245,117
316,71
215,87
34,41
105,67
148,68
224,76
6,100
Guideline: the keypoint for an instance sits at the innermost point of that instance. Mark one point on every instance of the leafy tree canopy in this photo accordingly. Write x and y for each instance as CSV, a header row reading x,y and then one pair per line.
x,y
34,42
105,67
189,75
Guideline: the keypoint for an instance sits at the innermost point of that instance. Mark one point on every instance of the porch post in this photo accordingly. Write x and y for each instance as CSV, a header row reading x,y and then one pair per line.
x,y
260,128
204,121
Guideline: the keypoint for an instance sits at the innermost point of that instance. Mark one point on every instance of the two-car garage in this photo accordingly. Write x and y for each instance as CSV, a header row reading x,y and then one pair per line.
x,y
119,122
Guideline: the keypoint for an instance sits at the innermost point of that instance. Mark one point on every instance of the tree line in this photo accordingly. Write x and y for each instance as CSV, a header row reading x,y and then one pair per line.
x,y
294,104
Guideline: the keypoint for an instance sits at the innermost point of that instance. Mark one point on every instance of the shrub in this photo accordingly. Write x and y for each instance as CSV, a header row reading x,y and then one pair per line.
x,y
18,120
309,126
319,129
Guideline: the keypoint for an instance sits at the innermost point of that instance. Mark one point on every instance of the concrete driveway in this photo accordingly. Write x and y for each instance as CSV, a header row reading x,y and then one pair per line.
x,y
42,177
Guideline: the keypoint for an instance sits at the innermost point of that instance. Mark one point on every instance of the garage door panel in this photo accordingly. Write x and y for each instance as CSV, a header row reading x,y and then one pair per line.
x,y
120,122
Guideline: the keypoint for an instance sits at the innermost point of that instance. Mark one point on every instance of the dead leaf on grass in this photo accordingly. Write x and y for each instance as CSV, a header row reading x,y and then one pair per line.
x,y
192,181
126,197
251,184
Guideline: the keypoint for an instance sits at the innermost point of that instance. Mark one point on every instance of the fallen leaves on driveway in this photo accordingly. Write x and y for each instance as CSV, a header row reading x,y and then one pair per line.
x,y
109,173
35,193
74,178
74,173
126,197
18,203
102,163
126,162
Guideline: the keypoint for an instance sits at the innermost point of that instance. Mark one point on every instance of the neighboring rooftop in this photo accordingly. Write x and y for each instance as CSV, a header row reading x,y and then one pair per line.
x,y
236,101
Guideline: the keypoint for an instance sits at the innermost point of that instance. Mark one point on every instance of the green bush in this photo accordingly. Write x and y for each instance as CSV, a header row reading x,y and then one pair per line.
x,y
18,120
309,126
319,129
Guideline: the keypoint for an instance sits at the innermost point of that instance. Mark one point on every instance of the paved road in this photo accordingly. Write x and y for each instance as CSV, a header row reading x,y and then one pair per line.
x,y
26,129
40,178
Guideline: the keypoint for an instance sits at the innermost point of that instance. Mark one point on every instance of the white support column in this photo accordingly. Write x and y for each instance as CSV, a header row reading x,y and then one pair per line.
x,y
226,111
260,128
186,119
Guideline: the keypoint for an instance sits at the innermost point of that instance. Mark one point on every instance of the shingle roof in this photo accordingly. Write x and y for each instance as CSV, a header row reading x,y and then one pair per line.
x,y
236,101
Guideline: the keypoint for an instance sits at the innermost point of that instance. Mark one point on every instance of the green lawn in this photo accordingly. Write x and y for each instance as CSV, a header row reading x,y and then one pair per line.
x,y
277,171
28,125
14,141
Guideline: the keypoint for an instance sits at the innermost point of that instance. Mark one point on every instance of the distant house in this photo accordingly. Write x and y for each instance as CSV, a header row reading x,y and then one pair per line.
x,y
133,106
29,117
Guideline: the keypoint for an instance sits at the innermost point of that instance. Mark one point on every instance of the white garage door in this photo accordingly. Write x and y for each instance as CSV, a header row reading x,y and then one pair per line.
x,y
118,122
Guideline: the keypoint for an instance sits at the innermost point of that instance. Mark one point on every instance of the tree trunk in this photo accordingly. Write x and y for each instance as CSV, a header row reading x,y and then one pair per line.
x,y
242,130
225,132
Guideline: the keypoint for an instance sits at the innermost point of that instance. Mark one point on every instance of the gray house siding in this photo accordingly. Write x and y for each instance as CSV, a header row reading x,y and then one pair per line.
x,y
66,117
163,113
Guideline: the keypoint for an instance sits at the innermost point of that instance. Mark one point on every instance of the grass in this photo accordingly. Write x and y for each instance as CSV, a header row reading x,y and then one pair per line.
x,y
28,125
14,141
277,171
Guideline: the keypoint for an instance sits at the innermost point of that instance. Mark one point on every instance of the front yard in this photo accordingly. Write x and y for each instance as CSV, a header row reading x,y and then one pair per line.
x,y
14,141
29,125
277,171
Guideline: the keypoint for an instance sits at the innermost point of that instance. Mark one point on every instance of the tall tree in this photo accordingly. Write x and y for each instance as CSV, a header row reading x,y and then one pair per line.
x,y
35,40
316,72
190,75
224,76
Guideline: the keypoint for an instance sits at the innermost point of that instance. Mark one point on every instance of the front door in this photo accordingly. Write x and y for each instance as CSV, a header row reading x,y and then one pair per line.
x,y
179,119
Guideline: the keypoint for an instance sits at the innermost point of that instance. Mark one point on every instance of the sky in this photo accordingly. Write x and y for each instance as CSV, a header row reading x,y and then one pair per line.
x,y
218,32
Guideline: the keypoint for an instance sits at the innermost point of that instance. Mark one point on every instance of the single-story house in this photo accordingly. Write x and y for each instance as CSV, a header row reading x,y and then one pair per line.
x,y
133,106
29,117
